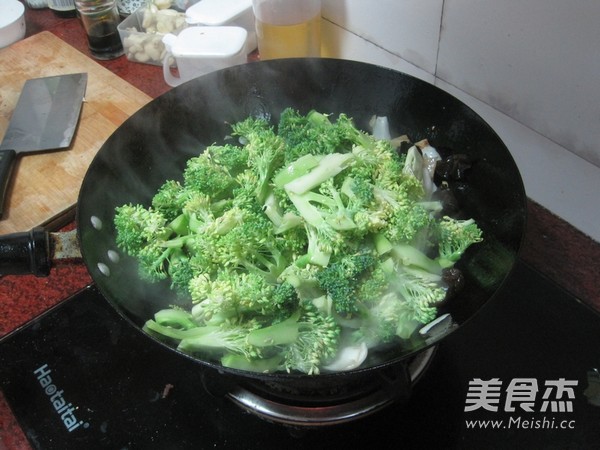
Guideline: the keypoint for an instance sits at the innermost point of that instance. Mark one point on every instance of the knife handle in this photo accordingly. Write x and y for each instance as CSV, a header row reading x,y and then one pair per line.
x,y
7,164
25,253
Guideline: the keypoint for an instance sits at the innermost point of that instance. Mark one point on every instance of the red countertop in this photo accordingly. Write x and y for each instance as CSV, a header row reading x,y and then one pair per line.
x,y
552,246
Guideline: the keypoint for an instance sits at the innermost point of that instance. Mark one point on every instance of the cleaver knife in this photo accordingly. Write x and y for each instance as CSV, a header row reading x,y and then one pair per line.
x,y
45,118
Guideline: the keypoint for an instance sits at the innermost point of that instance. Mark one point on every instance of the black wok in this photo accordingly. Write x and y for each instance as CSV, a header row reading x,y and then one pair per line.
x,y
154,144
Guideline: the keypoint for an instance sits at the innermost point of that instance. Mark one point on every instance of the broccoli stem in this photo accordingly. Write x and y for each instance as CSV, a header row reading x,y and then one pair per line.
x,y
309,212
180,225
329,166
177,333
214,338
240,362
281,221
410,256
296,169
382,244
175,318
282,333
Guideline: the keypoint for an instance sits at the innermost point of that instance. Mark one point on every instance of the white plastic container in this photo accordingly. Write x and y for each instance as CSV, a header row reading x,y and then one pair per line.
x,y
142,33
198,50
12,22
237,13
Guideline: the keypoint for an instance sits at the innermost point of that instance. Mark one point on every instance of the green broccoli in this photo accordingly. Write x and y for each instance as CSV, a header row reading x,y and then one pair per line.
x,y
341,278
409,301
239,294
310,134
203,175
300,232
302,342
265,150
136,226
455,236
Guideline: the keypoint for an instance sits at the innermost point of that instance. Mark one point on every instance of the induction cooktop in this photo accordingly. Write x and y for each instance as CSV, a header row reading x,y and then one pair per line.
x,y
524,373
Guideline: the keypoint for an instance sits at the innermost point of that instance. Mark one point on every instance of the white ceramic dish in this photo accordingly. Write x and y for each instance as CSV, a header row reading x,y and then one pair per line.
x,y
12,22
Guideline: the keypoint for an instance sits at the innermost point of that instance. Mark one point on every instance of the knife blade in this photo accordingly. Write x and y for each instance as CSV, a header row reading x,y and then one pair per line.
x,y
45,118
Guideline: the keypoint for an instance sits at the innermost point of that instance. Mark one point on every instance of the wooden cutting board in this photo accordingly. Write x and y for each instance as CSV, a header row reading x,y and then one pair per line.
x,y
45,186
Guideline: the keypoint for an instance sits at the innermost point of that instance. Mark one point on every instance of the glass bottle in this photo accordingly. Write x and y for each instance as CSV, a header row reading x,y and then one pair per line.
x,y
63,8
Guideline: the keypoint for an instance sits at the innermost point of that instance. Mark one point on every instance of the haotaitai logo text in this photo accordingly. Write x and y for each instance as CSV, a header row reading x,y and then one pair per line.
x,y
64,409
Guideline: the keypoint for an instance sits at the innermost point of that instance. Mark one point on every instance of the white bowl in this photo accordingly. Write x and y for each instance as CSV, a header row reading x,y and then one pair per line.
x,y
12,22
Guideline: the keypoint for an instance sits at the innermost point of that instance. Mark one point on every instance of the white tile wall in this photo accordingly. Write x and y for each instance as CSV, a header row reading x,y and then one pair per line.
x,y
554,177
406,28
340,43
531,68
537,61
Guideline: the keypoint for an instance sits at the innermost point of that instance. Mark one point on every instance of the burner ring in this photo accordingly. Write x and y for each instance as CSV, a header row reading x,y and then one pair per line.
x,y
331,414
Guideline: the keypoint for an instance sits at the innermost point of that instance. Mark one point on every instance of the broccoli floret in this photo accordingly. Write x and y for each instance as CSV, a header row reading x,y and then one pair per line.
x,y
407,221
371,288
310,134
304,280
169,199
409,303
300,342
308,338
136,226
218,340
233,159
252,245
181,270
376,161
145,234
395,300
265,150
322,242
318,339
238,294
455,236
341,278
203,175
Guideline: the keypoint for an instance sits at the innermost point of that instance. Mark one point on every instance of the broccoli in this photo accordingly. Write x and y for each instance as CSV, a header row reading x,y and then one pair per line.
x,y
300,342
170,199
252,245
455,236
310,134
300,233
137,226
265,150
203,175
217,340
341,278
317,342
397,310
239,294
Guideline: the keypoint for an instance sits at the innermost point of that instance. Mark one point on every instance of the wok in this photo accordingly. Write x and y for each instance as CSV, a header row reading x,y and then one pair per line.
x,y
154,144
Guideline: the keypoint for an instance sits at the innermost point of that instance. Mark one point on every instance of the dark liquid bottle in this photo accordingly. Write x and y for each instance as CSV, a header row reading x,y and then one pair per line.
x,y
104,40
100,19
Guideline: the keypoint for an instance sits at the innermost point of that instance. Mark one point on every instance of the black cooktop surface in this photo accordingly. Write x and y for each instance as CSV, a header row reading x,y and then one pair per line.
x,y
522,374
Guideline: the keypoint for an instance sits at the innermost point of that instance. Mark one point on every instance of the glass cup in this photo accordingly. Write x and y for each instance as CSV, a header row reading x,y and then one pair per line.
x,y
100,19
288,28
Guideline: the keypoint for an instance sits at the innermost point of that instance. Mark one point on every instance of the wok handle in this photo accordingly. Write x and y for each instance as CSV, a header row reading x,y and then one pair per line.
x,y
25,253
7,163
